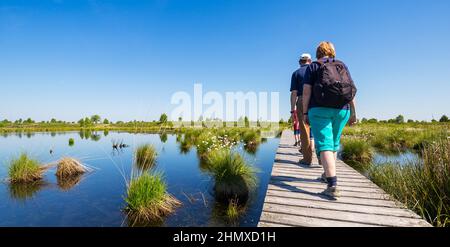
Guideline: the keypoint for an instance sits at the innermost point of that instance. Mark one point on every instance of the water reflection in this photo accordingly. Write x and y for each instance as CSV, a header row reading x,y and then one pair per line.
x,y
96,137
130,221
402,159
163,137
220,216
67,183
25,191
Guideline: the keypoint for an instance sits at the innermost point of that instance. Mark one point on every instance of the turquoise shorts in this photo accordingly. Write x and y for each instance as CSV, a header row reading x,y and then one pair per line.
x,y
327,125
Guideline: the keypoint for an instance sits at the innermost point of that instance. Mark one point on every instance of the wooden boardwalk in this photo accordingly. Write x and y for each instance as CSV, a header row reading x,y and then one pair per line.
x,y
293,197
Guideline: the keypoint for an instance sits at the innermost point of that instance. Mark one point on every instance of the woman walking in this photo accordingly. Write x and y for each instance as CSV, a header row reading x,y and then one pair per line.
x,y
328,103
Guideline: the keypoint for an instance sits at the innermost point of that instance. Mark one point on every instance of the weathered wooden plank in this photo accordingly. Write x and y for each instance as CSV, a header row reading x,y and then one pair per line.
x,y
305,221
400,212
312,180
313,168
318,172
271,224
381,220
374,196
322,186
309,195
315,177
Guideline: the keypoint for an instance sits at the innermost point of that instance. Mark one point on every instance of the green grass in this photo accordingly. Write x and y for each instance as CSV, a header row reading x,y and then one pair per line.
x,y
234,210
145,156
147,198
234,178
395,138
252,140
24,169
355,150
422,186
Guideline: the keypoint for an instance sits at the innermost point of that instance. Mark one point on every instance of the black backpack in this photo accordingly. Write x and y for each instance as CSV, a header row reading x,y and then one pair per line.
x,y
334,87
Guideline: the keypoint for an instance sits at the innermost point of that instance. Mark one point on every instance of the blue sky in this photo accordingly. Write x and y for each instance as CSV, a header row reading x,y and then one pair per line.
x,y
124,59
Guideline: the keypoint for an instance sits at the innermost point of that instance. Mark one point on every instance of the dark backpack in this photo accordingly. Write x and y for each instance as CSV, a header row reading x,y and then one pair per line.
x,y
334,86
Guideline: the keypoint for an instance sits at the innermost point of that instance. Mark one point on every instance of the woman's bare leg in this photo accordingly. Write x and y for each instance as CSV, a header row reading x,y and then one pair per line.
x,y
329,163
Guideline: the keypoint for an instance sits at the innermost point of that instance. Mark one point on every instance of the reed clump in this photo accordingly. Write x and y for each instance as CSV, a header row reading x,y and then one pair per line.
x,y
423,186
234,178
145,156
356,150
68,167
25,170
147,198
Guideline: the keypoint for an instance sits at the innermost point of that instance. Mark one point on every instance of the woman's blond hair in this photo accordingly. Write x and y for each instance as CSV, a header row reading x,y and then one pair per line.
x,y
325,49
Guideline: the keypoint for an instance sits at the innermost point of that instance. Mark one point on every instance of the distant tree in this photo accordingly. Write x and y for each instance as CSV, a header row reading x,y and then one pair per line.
x,y
180,119
246,122
433,121
444,119
281,121
400,119
81,122
410,121
29,121
105,121
53,120
364,120
290,120
163,118
87,121
95,119
372,120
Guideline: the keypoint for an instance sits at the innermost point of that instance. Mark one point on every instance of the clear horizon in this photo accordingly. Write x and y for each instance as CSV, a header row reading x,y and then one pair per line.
x,y
123,60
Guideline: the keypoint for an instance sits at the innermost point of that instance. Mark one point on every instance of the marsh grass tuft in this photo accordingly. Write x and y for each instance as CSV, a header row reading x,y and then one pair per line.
x,y
234,210
422,186
68,167
24,170
147,198
71,142
145,156
234,178
252,140
356,150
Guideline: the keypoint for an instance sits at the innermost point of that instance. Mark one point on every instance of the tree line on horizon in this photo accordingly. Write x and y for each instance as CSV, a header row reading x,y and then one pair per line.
x,y
96,119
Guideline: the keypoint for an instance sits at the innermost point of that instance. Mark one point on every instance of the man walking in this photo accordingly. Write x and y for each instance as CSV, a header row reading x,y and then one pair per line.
x,y
297,109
